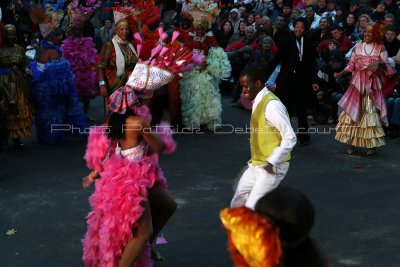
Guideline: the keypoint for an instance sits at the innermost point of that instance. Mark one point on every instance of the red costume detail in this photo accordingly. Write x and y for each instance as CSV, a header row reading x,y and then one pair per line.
x,y
203,45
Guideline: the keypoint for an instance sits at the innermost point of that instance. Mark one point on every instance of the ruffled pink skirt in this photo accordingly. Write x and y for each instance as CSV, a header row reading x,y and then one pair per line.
x,y
116,209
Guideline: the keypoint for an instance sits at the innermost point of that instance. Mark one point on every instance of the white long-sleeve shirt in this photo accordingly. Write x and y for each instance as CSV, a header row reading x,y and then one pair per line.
x,y
276,115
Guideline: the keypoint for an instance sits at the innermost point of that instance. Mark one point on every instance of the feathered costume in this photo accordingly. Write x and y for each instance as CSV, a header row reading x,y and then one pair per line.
x,y
80,51
82,55
116,200
201,99
127,175
56,104
59,114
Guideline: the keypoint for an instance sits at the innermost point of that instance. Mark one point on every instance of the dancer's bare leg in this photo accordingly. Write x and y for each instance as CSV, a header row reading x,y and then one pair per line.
x,y
162,207
141,235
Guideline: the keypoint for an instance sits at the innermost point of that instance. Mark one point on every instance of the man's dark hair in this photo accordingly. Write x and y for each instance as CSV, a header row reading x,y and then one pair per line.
x,y
335,27
287,3
255,73
305,23
314,7
392,29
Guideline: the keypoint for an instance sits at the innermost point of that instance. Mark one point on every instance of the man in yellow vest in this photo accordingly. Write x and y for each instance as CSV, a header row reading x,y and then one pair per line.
x,y
271,140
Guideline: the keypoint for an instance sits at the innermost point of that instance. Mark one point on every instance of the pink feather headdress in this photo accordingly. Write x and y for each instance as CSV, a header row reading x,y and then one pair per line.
x,y
166,62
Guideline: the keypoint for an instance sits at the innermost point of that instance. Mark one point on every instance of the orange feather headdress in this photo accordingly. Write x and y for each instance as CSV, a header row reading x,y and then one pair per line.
x,y
253,240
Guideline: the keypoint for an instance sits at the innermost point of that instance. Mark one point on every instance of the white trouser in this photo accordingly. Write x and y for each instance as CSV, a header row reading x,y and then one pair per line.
x,y
255,183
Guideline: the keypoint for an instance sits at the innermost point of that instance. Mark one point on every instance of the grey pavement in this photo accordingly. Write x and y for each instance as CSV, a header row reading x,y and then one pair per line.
x,y
356,198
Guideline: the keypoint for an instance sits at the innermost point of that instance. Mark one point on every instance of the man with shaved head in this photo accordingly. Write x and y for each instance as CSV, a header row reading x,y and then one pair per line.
x,y
265,26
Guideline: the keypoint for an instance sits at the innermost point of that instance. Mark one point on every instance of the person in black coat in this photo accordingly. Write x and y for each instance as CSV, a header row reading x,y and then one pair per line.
x,y
281,31
321,33
297,81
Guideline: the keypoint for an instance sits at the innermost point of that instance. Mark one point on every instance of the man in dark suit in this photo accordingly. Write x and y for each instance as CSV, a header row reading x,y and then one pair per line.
x,y
297,81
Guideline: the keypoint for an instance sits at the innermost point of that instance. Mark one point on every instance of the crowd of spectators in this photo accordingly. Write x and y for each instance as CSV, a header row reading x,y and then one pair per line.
x,y
253,31
334,27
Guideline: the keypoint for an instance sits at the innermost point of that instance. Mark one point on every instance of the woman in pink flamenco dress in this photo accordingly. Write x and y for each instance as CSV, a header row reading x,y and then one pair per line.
x,y
125,156
363,104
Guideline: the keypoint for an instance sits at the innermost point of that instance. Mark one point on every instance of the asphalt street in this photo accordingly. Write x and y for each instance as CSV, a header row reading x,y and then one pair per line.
x,y
356,198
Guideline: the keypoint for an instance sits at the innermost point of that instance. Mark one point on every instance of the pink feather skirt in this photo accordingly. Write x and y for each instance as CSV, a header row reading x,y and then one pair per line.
x,y
116,209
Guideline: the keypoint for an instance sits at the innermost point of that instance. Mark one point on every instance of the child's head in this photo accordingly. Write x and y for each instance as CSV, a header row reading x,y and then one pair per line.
x,y
332,45
335,59
266,43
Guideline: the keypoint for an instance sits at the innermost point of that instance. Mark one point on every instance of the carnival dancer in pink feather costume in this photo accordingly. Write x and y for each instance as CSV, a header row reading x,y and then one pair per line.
x,y
120,225
79,49
130,203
